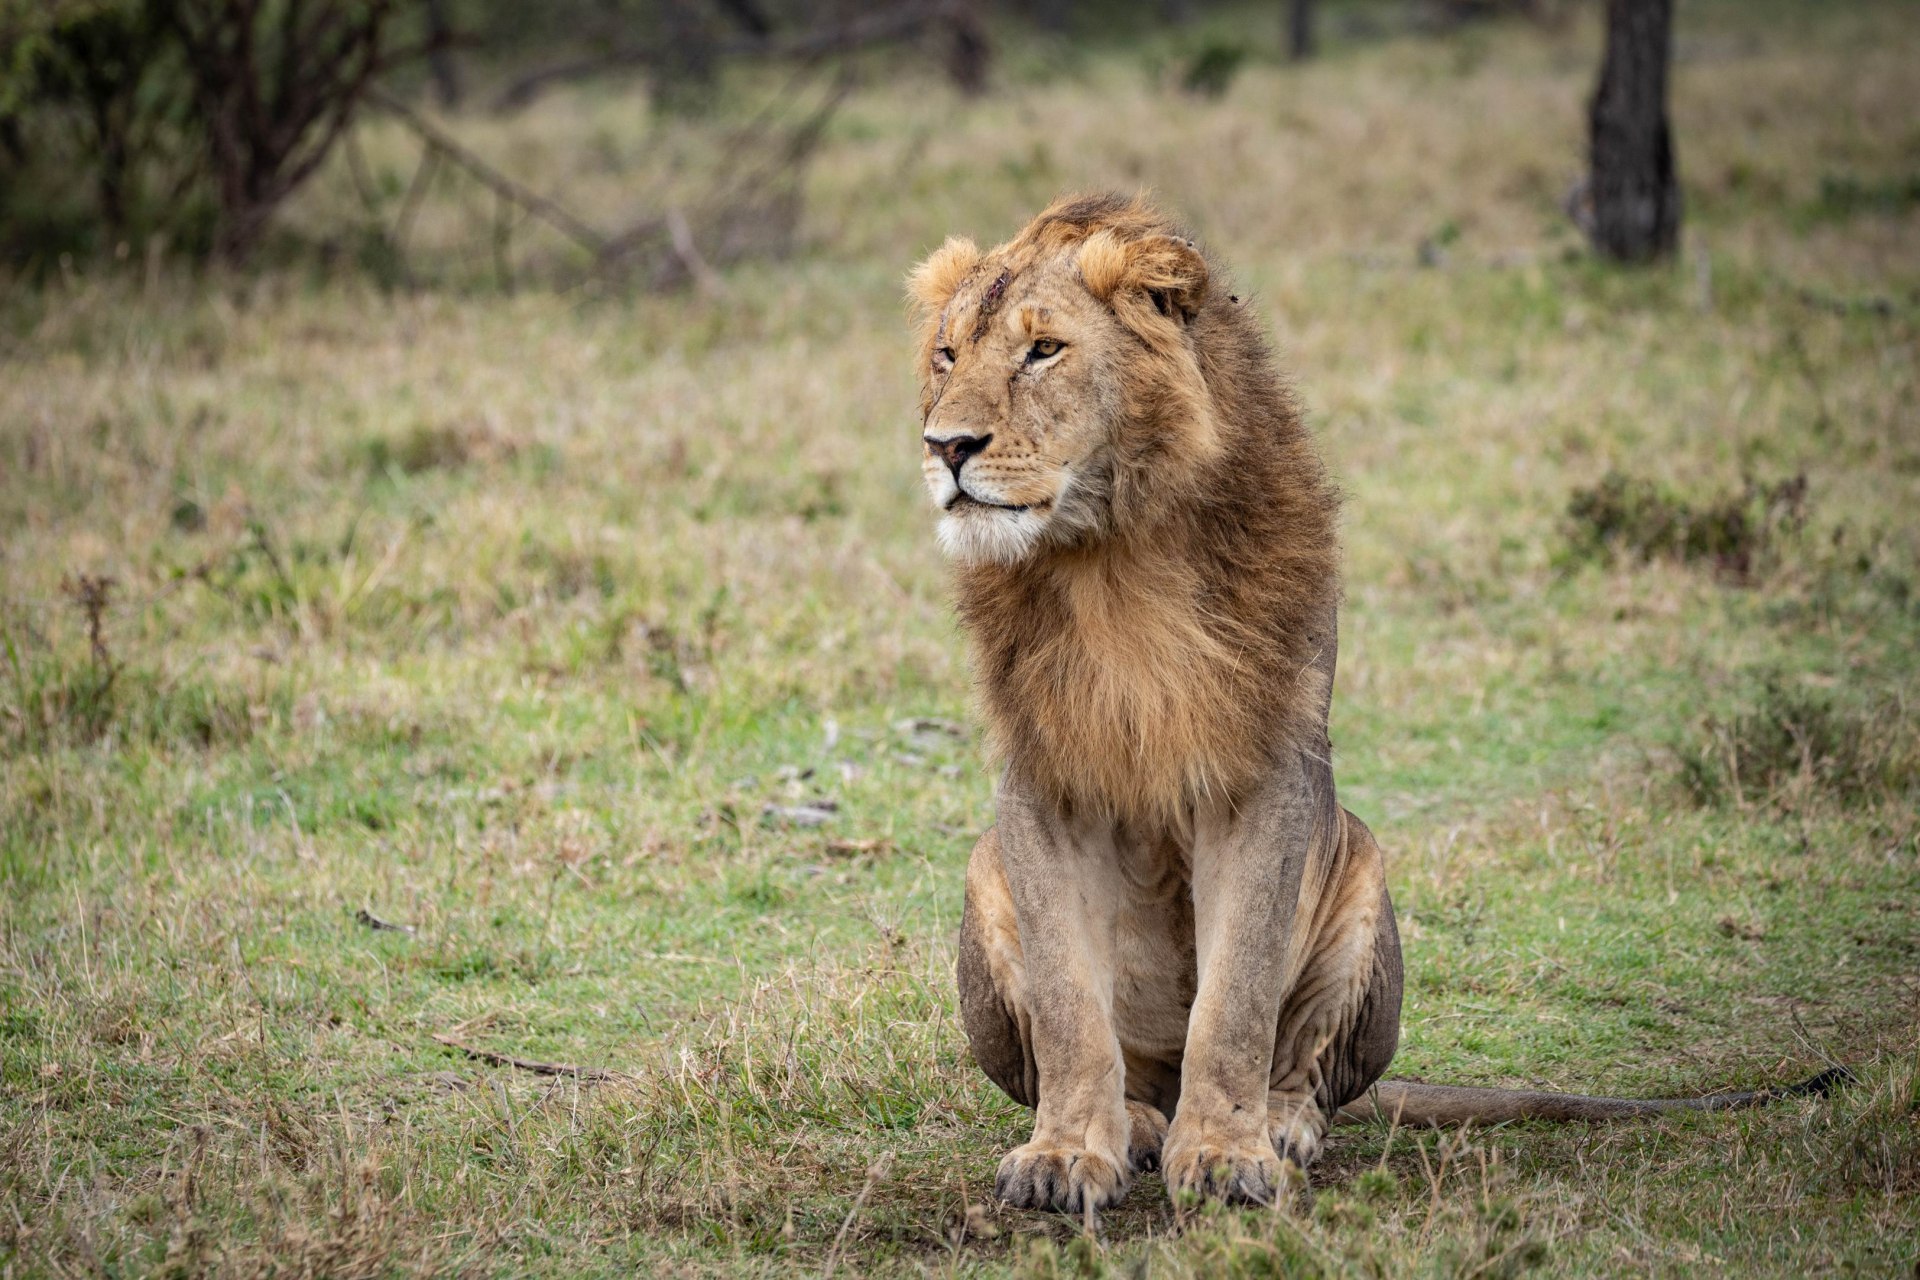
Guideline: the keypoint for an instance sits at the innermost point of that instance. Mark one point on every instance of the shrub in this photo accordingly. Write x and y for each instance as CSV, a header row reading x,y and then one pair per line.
x,y
1627,516
1786,743
93,101
168,105
1211,71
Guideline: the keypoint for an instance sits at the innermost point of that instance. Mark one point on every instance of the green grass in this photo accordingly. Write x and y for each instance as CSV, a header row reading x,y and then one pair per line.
x,y
517,620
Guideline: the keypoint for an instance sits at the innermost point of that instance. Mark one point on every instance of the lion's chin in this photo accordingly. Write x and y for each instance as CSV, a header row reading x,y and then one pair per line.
x,y
974,533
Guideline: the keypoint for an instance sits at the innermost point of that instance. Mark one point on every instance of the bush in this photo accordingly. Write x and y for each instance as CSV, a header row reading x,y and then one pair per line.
x,y
1787,743
1211,72
164,106
1638,519
93,112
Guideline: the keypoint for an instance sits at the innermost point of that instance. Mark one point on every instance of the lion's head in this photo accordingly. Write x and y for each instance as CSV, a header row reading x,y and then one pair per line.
x,y
1058,378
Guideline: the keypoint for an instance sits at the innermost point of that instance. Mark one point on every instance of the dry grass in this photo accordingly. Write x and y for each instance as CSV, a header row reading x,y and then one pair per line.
x,y
530,622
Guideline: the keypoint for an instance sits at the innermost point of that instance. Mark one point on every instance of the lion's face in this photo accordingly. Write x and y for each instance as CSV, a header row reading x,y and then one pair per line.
x,y
1020,413
1031,371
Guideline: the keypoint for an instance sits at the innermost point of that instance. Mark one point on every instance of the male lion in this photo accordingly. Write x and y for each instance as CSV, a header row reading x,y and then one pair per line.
x,y
1173,917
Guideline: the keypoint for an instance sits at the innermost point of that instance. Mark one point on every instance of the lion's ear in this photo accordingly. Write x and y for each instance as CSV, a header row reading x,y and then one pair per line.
x,y
1167,270
931,284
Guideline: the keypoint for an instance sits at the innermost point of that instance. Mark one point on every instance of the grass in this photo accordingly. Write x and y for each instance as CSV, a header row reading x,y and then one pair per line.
x,y
537,623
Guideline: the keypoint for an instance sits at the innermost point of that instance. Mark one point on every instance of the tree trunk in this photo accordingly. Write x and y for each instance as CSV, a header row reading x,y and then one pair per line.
x,y
749,17
110,136
968,53
12,141
1052,15
1634,193
1300,29
440,64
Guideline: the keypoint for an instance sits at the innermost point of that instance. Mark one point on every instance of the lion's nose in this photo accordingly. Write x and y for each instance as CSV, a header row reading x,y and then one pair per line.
x,y
955,451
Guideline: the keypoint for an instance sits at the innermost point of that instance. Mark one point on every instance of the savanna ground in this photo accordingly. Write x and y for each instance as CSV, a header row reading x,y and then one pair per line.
x,y
536,623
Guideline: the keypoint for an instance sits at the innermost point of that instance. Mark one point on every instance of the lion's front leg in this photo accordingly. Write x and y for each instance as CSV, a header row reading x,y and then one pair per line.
x,y
1249,867
1059,879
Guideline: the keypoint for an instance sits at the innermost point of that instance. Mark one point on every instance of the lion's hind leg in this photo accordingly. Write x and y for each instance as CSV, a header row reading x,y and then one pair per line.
x,y
991,977
1147,1134
1340,1022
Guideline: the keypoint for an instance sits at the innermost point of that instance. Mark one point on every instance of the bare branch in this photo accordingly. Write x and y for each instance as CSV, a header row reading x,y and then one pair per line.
x,y
680,236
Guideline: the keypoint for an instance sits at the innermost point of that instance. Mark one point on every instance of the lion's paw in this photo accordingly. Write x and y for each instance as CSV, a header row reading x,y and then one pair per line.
x,y
1297,1131
1147,1133
1248,1172
1041,1175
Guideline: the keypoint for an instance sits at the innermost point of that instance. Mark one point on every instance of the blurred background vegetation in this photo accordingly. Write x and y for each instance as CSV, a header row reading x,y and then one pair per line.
x,y
185,125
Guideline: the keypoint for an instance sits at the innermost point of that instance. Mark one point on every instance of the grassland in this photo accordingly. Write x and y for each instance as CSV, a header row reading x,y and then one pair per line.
x,y
530,623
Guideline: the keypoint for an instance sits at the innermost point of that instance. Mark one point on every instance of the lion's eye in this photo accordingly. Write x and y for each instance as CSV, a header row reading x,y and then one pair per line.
x,y
943,358
1044,349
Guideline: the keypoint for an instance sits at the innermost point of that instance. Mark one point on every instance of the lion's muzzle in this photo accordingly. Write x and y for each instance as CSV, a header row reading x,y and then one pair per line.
x,y
955,450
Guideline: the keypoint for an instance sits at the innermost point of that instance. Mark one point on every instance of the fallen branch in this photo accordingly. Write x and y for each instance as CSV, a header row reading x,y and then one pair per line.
x,y
443,144
91,593
724,217
538,1068
530,86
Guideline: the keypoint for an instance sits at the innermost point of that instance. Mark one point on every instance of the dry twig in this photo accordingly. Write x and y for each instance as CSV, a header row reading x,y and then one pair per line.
x,y
532,1065
874,1174
373,921
91,593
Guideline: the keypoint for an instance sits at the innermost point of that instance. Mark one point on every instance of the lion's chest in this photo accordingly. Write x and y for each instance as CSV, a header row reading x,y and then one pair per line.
x,y
1151,953
1131,710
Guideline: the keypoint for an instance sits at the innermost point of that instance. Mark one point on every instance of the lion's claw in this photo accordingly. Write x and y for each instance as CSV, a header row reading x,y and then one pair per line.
x,y
1297,1131
1242,1174
1042,1176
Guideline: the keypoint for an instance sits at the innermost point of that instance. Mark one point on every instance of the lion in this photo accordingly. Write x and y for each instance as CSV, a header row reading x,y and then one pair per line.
x,y
1177,947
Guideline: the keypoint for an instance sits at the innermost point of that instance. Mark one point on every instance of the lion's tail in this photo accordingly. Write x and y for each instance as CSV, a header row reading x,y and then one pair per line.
x,y
1402,1102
